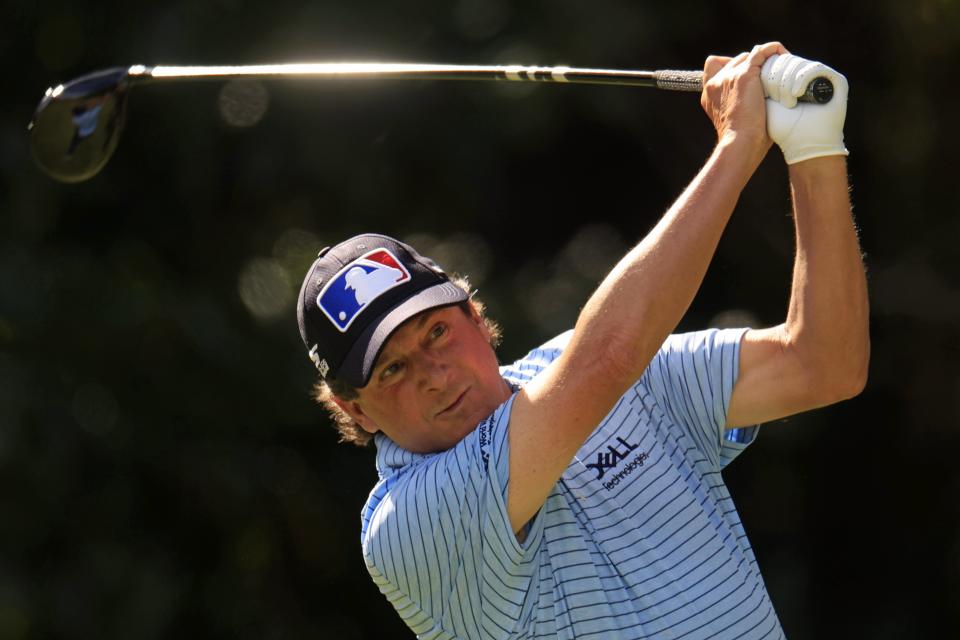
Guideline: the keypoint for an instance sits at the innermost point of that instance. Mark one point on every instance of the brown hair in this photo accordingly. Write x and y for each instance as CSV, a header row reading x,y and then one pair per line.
x,y
325,390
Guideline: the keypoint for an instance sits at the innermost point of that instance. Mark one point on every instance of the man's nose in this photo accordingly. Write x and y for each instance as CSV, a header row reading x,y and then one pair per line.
x,y
433,372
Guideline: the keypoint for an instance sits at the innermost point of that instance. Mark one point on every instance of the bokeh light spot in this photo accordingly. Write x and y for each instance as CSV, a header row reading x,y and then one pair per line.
x,y
553,303
243,103
594,250
265,289
466,254
296,249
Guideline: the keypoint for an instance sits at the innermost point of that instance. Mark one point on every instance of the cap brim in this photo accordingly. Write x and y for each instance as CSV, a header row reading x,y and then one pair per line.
x,y
360,360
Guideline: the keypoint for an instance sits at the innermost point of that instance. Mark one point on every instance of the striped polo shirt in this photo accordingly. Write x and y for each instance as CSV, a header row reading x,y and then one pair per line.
x,y
638,539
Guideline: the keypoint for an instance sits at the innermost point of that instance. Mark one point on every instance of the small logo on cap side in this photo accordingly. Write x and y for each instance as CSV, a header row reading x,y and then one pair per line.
x,y
358,284
318,362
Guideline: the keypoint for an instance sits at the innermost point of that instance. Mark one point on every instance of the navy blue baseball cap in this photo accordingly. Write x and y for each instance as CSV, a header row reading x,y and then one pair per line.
x,y
357,293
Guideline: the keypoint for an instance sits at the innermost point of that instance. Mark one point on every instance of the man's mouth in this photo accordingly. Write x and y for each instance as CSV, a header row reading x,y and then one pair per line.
x,y
454,405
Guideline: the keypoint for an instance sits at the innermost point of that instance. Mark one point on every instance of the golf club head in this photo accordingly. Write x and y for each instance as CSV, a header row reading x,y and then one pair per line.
x,y
76,126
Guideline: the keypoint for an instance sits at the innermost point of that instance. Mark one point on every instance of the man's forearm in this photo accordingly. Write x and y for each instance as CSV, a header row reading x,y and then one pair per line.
x,y
828,315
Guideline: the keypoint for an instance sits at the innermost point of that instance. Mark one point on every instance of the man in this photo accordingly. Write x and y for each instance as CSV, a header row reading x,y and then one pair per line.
x,y
577,493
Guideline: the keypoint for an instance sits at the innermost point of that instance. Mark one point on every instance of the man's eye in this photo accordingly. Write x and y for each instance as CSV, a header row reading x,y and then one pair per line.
x,y
438,331
390,370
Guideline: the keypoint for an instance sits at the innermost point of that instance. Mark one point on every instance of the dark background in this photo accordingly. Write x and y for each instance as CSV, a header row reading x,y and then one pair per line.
x,y
163,472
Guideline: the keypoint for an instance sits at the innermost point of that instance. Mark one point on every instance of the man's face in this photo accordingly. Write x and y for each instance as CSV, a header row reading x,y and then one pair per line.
x,y
435,380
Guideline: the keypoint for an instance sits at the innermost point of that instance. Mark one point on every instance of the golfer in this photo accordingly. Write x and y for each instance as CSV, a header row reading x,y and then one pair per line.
x,y
577,492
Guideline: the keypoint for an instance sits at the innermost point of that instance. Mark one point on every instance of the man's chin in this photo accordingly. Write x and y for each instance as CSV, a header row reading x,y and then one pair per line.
x,y
459,429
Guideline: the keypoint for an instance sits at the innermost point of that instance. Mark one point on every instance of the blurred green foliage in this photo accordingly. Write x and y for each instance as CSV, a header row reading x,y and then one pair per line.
x,y
163,472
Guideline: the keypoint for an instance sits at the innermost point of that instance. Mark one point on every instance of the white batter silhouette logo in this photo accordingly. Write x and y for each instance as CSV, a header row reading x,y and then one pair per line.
x,y
358,284
369,285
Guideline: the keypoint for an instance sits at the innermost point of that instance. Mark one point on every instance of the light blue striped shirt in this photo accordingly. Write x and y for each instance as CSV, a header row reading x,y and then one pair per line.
x,y
638,539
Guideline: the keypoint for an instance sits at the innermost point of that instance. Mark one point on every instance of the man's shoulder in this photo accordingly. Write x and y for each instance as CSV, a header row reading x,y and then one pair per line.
x,y
702,345
559,342
536,360
550,349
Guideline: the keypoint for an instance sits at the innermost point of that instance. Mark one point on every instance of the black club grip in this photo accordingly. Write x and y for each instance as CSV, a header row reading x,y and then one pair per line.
x,y
819,91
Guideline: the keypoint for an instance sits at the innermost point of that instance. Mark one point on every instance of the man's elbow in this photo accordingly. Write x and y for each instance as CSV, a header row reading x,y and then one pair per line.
x,y
851,385
843,376
859,367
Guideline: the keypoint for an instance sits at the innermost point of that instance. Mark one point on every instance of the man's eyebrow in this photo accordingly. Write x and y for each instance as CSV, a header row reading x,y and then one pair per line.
x,y
422,320
385,356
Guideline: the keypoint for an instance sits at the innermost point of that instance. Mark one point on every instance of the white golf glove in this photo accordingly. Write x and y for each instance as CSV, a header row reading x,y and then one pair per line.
x,y
803,130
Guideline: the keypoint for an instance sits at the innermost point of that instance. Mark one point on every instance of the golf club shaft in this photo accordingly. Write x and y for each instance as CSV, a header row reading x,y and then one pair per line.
x,y
673,80
75,127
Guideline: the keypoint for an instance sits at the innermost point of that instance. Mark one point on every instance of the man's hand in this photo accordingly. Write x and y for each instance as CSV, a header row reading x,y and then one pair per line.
x,y
733,98
803,130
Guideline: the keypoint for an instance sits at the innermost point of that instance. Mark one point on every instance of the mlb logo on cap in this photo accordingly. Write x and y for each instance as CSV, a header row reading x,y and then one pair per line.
x,y
358,284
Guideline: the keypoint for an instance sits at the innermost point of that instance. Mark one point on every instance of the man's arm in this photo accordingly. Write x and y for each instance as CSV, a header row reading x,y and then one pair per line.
x,y
640,302
820,354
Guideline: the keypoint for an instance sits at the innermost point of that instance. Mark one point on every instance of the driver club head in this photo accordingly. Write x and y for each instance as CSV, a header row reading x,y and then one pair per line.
x,y
76,126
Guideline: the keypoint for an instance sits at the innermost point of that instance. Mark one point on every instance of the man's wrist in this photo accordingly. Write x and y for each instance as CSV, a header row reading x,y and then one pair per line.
x,y
817,169
808,152
743,153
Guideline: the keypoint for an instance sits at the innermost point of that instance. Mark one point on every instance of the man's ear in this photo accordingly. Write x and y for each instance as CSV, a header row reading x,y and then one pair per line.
x,y
475,316
481,325
355,411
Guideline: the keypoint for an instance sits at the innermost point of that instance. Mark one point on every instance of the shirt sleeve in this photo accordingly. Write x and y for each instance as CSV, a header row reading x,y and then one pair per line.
x,y
692,377
439,544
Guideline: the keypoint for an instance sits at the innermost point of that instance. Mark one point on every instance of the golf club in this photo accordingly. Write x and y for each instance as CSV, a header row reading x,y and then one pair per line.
x,y
76,126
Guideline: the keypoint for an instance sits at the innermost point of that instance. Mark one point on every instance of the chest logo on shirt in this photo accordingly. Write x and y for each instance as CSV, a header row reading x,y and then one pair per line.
x,y
612,457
